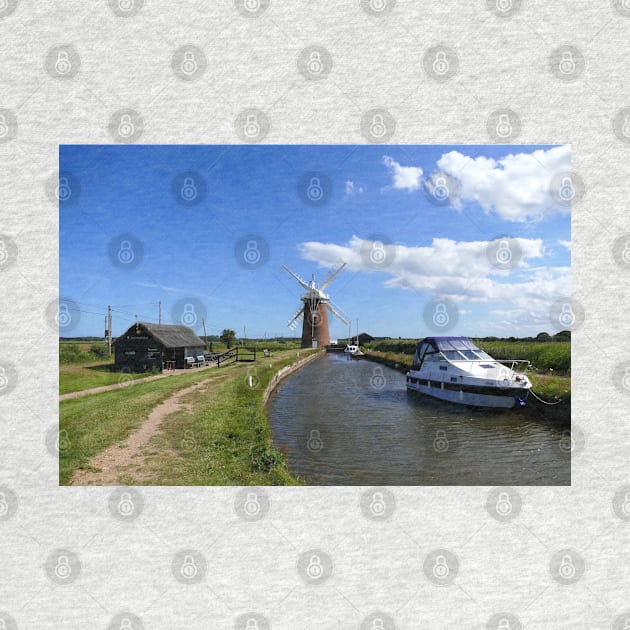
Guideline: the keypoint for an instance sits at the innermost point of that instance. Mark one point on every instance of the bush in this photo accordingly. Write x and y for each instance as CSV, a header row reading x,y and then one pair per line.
x,y
98,350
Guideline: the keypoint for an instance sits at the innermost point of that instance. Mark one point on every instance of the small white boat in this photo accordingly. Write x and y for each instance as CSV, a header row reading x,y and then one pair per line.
x,y
353,351
456,370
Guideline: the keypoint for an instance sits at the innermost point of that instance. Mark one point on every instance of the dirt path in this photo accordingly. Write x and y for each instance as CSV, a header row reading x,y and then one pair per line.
x,y
127,457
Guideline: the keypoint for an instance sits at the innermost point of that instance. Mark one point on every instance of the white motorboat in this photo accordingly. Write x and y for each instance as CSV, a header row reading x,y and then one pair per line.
x,y
456,370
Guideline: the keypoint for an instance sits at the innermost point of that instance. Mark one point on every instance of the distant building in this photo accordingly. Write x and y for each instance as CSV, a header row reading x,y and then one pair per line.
x,y
147,347
365,338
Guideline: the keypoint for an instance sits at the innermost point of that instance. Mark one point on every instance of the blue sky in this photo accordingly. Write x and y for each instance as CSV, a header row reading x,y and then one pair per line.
x,y
189,213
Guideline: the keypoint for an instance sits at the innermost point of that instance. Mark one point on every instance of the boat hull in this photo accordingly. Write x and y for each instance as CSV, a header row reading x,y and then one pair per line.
x,y
472,396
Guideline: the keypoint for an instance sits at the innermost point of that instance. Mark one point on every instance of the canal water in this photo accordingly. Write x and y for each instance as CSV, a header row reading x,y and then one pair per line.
x,y
347,422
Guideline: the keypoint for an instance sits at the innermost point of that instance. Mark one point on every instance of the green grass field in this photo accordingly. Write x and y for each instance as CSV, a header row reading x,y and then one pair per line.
x,y
228,425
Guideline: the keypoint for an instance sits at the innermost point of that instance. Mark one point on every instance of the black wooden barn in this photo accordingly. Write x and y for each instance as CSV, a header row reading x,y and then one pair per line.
x,y
150,346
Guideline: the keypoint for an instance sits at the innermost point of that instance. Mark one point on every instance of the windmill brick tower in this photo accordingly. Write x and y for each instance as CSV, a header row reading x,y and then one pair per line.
x,y
314,310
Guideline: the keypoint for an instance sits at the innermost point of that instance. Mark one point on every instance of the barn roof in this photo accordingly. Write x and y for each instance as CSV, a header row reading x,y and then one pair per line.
x,y
169,335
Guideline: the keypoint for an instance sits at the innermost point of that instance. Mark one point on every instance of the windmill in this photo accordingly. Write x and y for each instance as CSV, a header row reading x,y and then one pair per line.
x,y
314,311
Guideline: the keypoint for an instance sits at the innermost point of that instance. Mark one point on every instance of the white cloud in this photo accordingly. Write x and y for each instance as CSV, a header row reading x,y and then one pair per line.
x,y
403,177
458,270
566,244
352,189
516,187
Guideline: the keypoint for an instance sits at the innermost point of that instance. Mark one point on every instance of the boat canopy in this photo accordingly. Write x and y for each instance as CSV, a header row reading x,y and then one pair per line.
x,y
452,348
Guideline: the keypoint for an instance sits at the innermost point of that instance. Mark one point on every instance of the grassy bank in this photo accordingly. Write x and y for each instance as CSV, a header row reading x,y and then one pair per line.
x,y
73,378
224,439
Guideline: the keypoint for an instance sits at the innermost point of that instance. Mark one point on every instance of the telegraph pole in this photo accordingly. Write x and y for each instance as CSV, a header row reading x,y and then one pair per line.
x,y
160,316
205,336
109,330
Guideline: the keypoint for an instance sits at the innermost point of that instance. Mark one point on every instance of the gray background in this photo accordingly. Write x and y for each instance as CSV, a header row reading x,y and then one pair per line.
x,y
378,565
